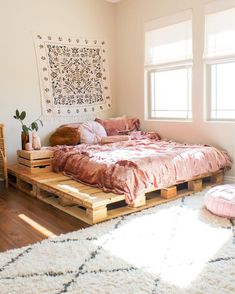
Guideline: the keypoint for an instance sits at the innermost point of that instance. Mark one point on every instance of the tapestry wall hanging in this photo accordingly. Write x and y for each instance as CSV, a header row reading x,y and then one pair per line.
x,y
73,73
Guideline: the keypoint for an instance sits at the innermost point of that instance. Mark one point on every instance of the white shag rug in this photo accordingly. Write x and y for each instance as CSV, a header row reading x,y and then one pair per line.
x,y
175,248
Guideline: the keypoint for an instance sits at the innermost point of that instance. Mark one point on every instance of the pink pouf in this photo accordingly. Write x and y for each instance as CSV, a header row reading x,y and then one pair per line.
x,y
220,200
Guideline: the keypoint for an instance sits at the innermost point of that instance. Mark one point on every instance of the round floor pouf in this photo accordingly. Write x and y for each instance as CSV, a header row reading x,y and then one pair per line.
x,y
220,200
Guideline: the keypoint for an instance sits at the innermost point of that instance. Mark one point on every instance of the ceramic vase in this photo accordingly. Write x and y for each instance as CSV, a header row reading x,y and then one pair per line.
x,y
36,142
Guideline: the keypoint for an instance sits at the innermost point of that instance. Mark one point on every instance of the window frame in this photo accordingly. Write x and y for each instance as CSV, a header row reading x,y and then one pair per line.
x,y
167,65
208,86
210,59
148,97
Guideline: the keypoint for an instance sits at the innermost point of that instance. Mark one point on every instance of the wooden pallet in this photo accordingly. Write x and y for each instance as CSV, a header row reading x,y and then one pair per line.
x,y
92,205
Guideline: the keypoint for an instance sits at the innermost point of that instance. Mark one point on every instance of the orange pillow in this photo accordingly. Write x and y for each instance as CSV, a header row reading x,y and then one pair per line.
x,y
65,136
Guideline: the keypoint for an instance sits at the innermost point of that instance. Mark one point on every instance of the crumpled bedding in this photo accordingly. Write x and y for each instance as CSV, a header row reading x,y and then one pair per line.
x,y
131,167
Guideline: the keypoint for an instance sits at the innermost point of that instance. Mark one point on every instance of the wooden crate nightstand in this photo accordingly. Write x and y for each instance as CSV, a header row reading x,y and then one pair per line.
x,y
35,160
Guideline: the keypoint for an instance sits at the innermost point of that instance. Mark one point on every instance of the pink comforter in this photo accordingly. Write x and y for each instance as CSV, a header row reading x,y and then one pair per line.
x,y
129,167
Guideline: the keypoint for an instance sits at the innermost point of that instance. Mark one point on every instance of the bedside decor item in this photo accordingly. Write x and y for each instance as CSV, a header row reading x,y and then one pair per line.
x,y
36,142
73,74
28,146
34,126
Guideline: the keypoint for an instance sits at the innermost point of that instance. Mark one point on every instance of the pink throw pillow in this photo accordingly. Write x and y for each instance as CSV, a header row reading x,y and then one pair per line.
x,y
119,126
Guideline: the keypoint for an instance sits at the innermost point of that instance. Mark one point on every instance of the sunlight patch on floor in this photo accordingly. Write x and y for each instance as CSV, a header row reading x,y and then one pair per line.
x,y
174,244
36,226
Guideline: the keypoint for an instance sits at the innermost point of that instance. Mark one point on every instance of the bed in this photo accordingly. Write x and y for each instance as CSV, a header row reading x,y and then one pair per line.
x,y
126,171
132,166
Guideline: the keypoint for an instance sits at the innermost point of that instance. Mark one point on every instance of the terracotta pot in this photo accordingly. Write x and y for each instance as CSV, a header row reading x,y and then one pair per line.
x,y
24,139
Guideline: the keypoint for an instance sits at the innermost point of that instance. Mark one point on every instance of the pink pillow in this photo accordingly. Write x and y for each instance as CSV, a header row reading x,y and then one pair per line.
x,y
119,126
220,200
91,132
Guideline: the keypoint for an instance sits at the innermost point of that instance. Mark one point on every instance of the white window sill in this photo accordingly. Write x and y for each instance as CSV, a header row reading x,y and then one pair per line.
x,y
180,120
227,121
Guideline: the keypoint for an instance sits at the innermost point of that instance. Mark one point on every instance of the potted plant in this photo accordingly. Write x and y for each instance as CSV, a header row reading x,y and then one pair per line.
x,y
34,126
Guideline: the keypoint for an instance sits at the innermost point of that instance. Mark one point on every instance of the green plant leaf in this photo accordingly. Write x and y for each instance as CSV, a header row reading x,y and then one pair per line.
x,y
22,115
41,122
34,126
25,129
15,116
17,113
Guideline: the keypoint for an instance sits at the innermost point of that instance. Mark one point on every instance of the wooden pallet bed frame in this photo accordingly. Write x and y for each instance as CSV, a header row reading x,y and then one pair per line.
x,y
92,205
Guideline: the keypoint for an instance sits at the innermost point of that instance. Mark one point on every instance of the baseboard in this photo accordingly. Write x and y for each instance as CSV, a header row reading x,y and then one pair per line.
x,y
229,180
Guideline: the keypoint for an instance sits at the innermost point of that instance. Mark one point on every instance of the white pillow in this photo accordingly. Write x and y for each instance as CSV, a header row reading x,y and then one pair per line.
x,y
91,132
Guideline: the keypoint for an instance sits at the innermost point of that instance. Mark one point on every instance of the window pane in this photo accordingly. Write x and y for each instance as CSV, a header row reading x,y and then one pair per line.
x,y
223,90
171,93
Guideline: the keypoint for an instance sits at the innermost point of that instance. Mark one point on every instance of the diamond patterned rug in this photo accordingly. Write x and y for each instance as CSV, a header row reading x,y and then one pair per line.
x,y
175,248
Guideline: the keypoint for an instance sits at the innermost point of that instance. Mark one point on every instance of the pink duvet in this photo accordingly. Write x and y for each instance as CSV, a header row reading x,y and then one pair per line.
x,y
129,167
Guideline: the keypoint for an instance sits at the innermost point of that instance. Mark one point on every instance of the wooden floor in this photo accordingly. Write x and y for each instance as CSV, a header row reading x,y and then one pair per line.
x,y
25,220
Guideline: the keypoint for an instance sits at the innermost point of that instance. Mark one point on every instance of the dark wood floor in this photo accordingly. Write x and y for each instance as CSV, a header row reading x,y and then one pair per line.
x,y
25,220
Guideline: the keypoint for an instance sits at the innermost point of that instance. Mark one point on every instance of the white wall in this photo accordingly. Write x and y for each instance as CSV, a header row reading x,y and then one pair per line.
x,y
131,15
122,26
19,86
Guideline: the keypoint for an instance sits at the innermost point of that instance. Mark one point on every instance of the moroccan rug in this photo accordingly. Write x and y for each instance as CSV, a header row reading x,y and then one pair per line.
x,y
73,75
174,248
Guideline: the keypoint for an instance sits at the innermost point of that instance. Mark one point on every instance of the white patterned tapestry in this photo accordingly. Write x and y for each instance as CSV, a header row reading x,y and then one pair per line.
x,y
73,74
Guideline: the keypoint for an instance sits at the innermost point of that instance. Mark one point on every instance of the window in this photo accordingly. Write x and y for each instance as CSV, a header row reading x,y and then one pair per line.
x,y
219,57
168,67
